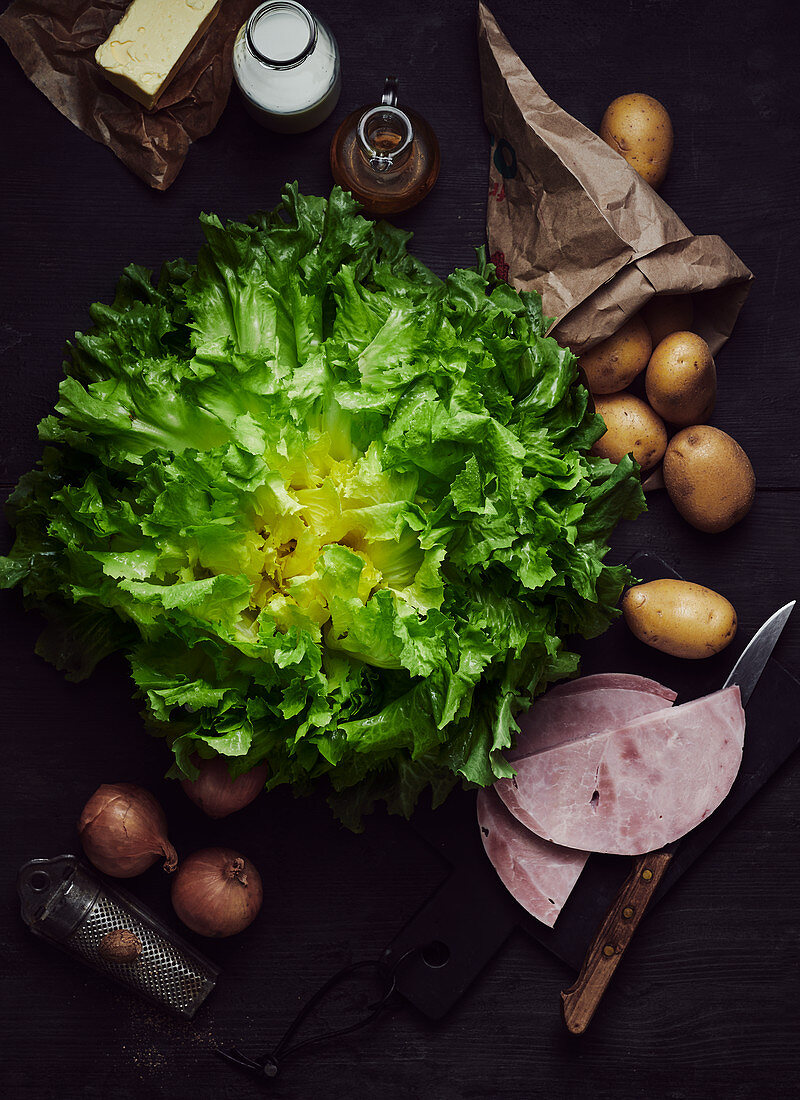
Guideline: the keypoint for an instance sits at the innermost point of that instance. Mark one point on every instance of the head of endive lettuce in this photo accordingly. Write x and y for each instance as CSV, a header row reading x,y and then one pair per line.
x,y
339,513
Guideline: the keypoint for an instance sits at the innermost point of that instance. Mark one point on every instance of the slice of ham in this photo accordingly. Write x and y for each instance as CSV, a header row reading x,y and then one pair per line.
x,y
538,874
563,715
636,788
624,680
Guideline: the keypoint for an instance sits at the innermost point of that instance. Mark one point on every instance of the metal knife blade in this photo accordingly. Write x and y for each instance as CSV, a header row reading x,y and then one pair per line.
x,y
753,660
579,1002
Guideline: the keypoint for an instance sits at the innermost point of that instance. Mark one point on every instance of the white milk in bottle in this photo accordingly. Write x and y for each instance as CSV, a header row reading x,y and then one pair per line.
x,y
286,63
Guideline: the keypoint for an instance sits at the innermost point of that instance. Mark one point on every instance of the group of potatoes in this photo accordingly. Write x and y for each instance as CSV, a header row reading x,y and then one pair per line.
x,y
706,473
708,476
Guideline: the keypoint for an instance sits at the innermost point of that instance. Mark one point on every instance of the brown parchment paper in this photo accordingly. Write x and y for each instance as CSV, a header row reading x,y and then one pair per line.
x,y
567,216
54,42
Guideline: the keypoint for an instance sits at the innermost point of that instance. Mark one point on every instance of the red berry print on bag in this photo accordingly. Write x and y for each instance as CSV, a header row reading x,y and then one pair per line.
x,y
501,267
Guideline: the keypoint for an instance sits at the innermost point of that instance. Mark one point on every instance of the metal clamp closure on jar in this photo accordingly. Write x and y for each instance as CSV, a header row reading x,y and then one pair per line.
x,y
385,132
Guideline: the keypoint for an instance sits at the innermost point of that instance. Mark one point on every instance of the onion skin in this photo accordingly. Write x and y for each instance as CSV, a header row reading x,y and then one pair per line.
x,y
217,892
216,793
123,831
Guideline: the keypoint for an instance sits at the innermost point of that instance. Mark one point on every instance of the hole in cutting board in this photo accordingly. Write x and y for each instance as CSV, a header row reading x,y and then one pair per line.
x,y
436,954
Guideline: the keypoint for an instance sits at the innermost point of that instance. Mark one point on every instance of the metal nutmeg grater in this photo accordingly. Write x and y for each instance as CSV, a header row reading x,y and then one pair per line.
x,y
66,903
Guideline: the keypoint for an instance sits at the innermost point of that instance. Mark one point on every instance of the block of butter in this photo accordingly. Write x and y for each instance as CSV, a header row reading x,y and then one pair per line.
x,y
150,43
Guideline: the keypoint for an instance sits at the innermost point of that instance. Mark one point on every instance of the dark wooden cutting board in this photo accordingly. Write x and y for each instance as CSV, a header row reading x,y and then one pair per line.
x,y
471,915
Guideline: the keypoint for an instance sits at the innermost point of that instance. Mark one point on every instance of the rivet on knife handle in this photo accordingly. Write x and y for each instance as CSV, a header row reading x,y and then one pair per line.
x,y
581,999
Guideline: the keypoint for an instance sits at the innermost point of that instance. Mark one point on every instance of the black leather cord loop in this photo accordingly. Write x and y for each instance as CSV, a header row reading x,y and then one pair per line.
x,y
269,1064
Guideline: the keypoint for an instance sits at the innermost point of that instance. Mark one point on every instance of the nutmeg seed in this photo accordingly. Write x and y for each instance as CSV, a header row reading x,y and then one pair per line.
x,y
120,946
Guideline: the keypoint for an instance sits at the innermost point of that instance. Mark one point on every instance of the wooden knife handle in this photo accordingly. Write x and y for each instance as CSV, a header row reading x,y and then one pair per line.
x,y
581,999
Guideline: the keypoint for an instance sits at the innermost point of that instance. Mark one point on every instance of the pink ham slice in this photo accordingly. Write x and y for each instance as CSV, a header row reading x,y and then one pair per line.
x,y
564,715
624,680
538,874
632,789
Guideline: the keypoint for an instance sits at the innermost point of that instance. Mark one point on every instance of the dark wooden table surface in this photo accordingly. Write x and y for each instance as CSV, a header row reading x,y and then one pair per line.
x,y
705,1005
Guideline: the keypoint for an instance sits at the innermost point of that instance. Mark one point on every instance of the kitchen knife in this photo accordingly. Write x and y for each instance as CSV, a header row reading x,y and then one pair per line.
x,y
580,1001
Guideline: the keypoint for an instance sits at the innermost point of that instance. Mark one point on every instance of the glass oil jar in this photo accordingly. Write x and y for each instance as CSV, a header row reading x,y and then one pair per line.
x,y
286,63
387,157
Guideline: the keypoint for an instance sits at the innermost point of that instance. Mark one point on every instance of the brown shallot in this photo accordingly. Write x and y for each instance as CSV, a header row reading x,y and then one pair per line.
x,y
123,831
217,793
217,892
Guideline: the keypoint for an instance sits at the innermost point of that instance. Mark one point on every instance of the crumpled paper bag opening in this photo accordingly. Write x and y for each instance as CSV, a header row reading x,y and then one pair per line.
x,y
569,218
54,42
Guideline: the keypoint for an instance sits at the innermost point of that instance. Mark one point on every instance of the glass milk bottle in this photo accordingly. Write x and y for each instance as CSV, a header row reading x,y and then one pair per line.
x,y
286,63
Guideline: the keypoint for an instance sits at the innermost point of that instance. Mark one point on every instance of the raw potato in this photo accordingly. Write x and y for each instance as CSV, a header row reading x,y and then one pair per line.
x,y
681,379
680,618
612,365
639,128
633,428
709,478
668,313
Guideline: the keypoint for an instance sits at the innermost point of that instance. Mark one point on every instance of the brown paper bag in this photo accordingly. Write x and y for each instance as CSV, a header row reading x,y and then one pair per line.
x,y
54,42
570,218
